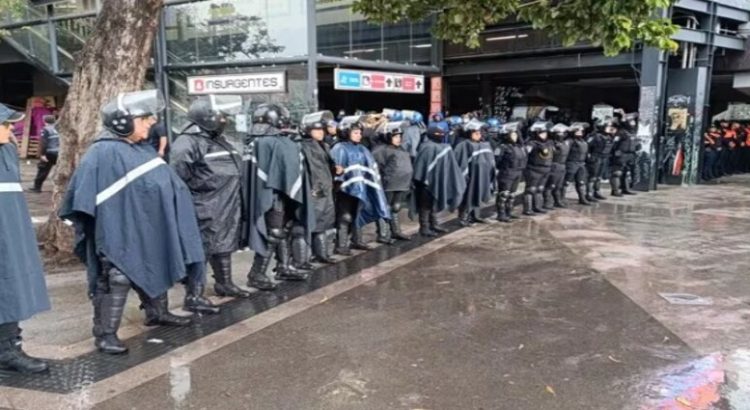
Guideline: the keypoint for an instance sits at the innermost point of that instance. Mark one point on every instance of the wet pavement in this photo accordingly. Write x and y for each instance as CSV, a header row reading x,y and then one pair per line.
x,y
565,311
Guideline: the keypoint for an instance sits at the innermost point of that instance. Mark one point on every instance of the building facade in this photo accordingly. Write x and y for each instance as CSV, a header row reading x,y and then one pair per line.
x,y
315,47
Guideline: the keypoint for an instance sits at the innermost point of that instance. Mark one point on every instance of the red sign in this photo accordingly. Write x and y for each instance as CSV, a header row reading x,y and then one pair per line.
x,y
378,81
409,83
436,94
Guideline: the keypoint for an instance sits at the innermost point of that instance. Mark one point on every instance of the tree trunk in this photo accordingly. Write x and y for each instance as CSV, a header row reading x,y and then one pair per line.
x,y
114,60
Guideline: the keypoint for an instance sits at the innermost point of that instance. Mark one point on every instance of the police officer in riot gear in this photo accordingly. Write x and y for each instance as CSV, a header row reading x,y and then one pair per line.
x,y
394,163
212,167
554,192
360,198
575,172
624,155
600,143
133,232
277,196
476,160
320,170
541,152
510,161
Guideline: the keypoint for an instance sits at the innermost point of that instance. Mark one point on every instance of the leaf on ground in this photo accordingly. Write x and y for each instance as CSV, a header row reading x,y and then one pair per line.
x,y
551,391
520,347
613,359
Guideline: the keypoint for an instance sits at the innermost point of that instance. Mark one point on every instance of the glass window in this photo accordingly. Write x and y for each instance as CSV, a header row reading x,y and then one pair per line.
x,y
294,99
233,30
342,33
34,41
71,36
64,8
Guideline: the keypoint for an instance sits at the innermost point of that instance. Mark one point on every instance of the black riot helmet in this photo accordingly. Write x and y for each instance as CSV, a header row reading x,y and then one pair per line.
x,y
604,124
275,115
560,131
118,114
509,129
630,121
349,123
210,112
316,121
540,128
437,131
392,129
577,127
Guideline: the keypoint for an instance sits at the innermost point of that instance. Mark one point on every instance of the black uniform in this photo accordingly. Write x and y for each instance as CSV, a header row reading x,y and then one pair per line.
x,y
537,173
554,192
575,165
623,164
396,171
600,149
319,167
510,162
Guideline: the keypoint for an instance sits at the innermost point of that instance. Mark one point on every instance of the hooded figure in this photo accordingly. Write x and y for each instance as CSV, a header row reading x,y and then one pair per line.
x,y
540,150
510,162
600,148
277,196
394,163
575,166
23,292
360,198
319,169
135,222
477,163
624,154
439,183
413,129
211,167
554,191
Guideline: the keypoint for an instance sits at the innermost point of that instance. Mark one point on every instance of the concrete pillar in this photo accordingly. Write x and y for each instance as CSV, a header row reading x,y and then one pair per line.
x,y
650,107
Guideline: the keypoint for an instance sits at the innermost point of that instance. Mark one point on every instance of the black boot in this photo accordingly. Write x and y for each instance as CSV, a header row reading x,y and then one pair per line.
x,y
300,254
597,190
549,202
528,204
502,213
475,218
257,277
539,203
558,197
342,240
582,197
357,241
224,286
320,248
509,205
284,268
157,311
194,300
384,233
434,224
396,232
463,217
627,186
424,224
110,309
12,356
590,192
615,182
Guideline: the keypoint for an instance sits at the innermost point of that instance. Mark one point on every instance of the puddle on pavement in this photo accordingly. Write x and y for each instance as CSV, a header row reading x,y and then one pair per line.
x,y
713,382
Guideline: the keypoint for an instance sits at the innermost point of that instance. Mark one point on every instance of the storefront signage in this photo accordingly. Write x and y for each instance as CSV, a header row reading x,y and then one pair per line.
x,y
359,80
250,83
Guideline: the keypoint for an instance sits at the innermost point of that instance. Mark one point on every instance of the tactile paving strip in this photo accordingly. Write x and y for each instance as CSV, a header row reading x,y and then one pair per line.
x,y
66,376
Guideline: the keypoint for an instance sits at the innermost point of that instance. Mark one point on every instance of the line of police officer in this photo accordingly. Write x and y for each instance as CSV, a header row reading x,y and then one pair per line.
x,y
145,225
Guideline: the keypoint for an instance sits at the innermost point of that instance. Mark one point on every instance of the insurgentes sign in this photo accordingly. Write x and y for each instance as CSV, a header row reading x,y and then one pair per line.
x,y
250,83
359,80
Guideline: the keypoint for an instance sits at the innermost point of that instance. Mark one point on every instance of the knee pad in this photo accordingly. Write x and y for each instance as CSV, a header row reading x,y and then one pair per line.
x,y
395,208
531,190
117,279
277,233
617,174
346,218
552,187
540,188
